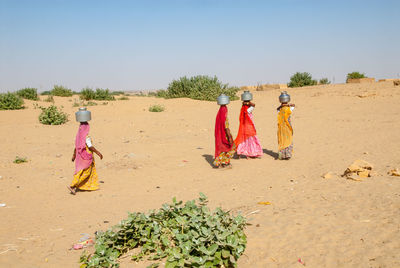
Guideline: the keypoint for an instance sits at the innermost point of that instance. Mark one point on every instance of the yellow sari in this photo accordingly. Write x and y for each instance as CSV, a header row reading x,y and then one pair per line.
x,y
86,179
285,133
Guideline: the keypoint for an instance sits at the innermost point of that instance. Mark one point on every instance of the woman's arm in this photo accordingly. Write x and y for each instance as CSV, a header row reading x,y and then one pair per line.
x,y
229,136
74,155
92,149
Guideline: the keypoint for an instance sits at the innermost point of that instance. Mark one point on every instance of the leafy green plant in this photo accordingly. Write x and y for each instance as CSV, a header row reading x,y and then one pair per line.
x,y
185,235
156,108
47,92
199,87
61,91
87,94
28,93
355,75
11,101
301,80
116,93
99,94
324,81
19,160
52,116
49,98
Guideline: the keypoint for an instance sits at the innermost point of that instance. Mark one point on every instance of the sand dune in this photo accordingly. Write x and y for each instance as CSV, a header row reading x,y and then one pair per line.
x,y
326,222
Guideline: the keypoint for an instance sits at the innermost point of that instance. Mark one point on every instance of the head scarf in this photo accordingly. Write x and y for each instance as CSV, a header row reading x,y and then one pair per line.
x,y
221,141
83,159
246,127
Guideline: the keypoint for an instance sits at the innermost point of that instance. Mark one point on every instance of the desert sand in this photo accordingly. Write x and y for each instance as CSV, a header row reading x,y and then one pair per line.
x,y
151,157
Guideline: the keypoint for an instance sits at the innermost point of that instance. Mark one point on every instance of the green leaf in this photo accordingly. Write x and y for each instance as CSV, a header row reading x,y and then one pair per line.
x,y
212,249
226,253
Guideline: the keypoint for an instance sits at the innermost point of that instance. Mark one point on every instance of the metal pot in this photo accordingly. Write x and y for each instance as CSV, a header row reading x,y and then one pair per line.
x,y
247,96
284,97
223,99
83,115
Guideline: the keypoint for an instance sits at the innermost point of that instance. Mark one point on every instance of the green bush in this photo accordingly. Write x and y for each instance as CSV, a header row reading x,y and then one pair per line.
x,y
28,93
19,160
324,81
355,75
99,94
301,80
49,98
123,98
156,108
11,101
116,93
52,116
199,87
180,235
47,92
61,91
87,94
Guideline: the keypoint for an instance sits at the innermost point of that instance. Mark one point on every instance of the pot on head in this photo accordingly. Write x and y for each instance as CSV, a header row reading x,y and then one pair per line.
x,y
223,99
83,115
247,96
284,97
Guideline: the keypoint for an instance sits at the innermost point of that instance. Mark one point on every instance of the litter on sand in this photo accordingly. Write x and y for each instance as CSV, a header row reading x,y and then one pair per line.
x,y
2,205
84,242
394,172
264,203
301,262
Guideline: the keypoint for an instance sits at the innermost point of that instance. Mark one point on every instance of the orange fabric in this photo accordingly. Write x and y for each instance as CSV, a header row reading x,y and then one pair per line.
x,y
246,127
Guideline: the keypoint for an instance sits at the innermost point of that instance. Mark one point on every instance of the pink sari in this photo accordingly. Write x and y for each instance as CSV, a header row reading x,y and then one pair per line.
x,y
83,159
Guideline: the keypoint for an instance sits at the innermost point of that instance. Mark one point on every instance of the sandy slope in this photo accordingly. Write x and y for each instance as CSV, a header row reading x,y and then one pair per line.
x,y
325,222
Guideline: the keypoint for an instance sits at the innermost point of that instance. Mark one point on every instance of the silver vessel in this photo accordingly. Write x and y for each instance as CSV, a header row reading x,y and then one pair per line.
x,y
284,97
83,115
247,96
223,99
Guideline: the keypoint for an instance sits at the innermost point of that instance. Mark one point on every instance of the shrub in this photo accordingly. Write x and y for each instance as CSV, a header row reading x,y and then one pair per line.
x,y
199,87
61,91
28,93
11,101
301,80
324,81
52,116
355,75
99,94
47,92
90,103
184,235
19,160
123,98
49,98
115,93
156,108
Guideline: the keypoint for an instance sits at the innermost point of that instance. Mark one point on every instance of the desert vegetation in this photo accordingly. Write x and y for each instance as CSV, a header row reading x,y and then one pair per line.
x,y
301,80
11,101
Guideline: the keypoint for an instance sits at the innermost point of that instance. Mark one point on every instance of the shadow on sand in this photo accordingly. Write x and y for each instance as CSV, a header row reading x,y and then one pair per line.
x,y
209,158
271,153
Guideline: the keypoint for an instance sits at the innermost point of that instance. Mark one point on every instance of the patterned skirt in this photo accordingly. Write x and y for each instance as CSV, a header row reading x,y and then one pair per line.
x,y
286,153
250,147
86,179
224,158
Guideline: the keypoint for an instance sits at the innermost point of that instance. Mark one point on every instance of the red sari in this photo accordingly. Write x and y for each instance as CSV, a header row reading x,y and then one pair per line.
x,y
223,150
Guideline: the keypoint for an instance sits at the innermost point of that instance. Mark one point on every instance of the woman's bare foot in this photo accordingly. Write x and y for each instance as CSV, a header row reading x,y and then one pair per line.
x,y
72,190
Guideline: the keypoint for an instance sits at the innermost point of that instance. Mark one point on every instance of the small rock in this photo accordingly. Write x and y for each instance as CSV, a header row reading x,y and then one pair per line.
x,y
101,181
158,187
257,225
58,155
1,177
394,172
106,221
327,175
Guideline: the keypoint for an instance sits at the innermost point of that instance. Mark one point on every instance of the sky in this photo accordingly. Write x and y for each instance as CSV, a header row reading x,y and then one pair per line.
x,y
144,45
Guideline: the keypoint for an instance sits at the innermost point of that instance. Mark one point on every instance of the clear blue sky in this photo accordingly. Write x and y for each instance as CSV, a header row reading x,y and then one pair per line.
x,y
135,45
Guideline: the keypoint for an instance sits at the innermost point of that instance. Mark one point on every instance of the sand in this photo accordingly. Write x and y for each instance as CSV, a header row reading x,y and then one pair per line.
x,y
151,157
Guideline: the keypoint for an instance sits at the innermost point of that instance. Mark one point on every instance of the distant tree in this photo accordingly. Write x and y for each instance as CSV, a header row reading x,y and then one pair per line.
x,y
301,80
324,81
355,75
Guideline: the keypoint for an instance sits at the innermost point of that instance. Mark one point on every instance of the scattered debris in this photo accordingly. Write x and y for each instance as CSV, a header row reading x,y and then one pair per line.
x,y
394,172
58,155
2,205
84,242
358,170
264,203
301,262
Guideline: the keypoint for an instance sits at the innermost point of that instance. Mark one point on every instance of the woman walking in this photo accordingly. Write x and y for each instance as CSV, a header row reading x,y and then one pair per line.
x,y
247,142
85,177
285,130
224,145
